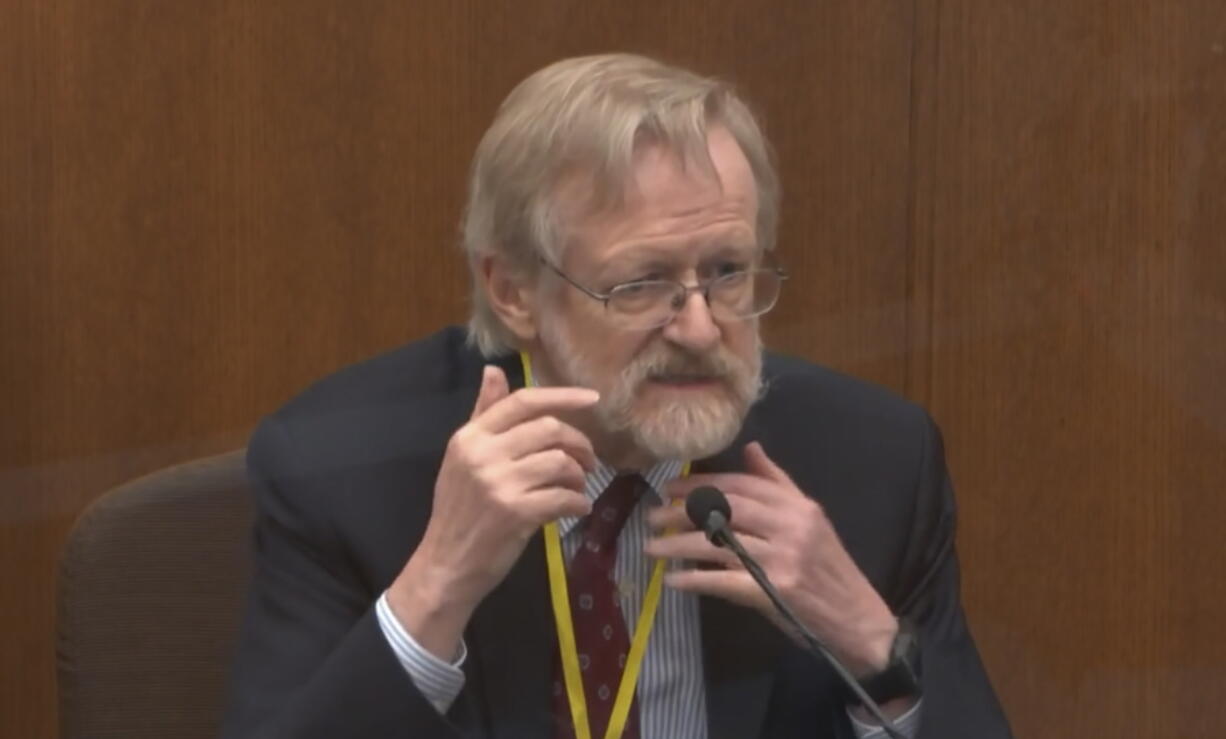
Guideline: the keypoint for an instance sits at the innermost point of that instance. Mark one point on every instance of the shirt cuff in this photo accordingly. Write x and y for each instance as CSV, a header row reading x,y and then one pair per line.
x,y
907,724
440,682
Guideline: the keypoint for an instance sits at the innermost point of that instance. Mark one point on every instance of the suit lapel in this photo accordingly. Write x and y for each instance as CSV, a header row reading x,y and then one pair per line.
x,y
739,646
739,650
514,641
512,633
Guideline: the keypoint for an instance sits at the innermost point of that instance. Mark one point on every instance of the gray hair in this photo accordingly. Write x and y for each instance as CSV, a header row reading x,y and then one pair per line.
x,y
585,117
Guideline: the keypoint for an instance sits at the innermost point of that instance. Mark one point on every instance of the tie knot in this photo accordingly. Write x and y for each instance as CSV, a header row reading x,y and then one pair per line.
x,y
612,508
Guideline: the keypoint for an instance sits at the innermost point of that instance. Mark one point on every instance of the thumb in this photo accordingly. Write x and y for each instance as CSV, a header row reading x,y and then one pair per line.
x,y
757,463
493,389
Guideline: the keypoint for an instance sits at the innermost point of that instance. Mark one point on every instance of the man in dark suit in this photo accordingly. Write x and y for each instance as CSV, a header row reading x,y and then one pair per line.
x,y
477,535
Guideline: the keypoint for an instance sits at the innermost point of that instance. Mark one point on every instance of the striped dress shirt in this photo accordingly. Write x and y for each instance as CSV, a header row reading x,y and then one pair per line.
x,y
671,693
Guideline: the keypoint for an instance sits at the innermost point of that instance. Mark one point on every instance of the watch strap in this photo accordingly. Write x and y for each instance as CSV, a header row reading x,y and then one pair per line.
x,y
901,676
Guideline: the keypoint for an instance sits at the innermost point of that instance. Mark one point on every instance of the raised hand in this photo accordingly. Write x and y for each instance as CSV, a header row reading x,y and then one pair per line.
x,y
514,466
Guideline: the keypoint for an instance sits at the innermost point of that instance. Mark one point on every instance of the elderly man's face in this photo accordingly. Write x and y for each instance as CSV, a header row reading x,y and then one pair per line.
x,y
680,390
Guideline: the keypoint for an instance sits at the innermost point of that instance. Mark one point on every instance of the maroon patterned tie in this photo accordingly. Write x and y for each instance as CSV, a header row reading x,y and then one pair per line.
x,y
601,637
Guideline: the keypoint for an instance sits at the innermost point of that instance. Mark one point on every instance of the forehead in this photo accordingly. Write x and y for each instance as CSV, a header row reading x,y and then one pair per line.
x,y
669,204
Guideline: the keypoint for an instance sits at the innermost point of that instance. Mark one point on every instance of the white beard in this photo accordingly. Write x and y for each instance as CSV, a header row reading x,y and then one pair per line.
x,y
695,427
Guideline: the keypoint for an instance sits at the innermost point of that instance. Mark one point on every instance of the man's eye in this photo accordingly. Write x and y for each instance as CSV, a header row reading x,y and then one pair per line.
x,y
729,268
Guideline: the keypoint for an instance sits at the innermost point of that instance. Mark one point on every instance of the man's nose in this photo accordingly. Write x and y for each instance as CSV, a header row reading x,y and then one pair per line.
x,y
694,327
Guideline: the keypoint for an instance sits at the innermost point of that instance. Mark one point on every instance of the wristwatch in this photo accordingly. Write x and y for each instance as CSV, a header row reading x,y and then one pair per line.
x,y
901,676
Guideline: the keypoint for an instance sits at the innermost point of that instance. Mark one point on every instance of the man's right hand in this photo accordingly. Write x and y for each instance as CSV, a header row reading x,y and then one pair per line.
x,y
510,469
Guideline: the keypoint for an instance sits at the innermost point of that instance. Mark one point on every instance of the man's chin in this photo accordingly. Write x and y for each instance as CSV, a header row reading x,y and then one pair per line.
x,y
685,446
654,391
687,430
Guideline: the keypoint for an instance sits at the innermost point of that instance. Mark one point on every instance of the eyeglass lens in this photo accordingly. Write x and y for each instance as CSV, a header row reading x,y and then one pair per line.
x,y
734,296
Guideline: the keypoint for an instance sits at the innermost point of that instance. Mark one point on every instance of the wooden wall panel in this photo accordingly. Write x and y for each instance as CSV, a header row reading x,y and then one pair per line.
x,y
1072,219
207,205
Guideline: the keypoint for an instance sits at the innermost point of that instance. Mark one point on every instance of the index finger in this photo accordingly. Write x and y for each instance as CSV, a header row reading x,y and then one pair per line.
x,y
528,403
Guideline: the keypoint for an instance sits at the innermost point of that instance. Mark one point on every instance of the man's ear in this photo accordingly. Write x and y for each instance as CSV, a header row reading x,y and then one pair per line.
x,y
511,296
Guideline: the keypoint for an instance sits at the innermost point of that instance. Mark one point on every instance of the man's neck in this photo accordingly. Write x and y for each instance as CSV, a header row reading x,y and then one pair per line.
x,y
621,454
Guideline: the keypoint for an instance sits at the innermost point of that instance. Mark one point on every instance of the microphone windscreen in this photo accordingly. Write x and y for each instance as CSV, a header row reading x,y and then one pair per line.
x,y
702,502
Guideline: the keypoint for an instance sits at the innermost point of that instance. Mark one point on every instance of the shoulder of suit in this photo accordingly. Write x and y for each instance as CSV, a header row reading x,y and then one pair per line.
x,y
825,427
405,400
796,386
435,364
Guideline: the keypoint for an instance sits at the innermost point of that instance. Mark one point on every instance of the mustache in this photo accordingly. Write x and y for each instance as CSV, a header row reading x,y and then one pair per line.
x,y
670,362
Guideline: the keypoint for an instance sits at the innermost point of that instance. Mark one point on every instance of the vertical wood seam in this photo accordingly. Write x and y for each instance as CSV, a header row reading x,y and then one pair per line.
x,y
920,250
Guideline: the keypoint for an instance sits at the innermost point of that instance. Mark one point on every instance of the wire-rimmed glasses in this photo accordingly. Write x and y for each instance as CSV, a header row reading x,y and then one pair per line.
x,y
641,305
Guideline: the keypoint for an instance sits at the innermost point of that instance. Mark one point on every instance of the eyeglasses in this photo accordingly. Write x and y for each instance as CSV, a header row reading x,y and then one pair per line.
x,y
642,305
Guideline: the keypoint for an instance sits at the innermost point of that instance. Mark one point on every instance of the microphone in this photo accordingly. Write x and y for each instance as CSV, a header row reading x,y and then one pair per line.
x,y
708,509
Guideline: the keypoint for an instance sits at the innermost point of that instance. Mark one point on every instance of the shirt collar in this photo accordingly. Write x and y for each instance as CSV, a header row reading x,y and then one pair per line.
x,y
657,477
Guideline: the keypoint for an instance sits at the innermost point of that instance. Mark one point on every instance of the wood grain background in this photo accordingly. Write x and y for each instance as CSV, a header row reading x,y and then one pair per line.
x,y
1008,210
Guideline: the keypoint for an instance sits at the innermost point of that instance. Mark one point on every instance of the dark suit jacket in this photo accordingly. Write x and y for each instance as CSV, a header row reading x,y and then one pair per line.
x,y
344,476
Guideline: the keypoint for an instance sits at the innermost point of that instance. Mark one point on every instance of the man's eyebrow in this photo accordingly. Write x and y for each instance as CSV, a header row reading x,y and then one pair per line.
x,y
621,266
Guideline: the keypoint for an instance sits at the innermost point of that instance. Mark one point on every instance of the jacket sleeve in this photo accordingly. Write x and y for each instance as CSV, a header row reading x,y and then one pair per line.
x,y
311,659
958,697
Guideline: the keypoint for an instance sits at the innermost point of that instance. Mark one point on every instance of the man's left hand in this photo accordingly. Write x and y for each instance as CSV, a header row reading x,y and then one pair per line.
x,y
788,533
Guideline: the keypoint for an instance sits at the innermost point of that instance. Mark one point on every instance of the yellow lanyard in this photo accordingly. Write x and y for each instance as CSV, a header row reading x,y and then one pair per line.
x,y
560,599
